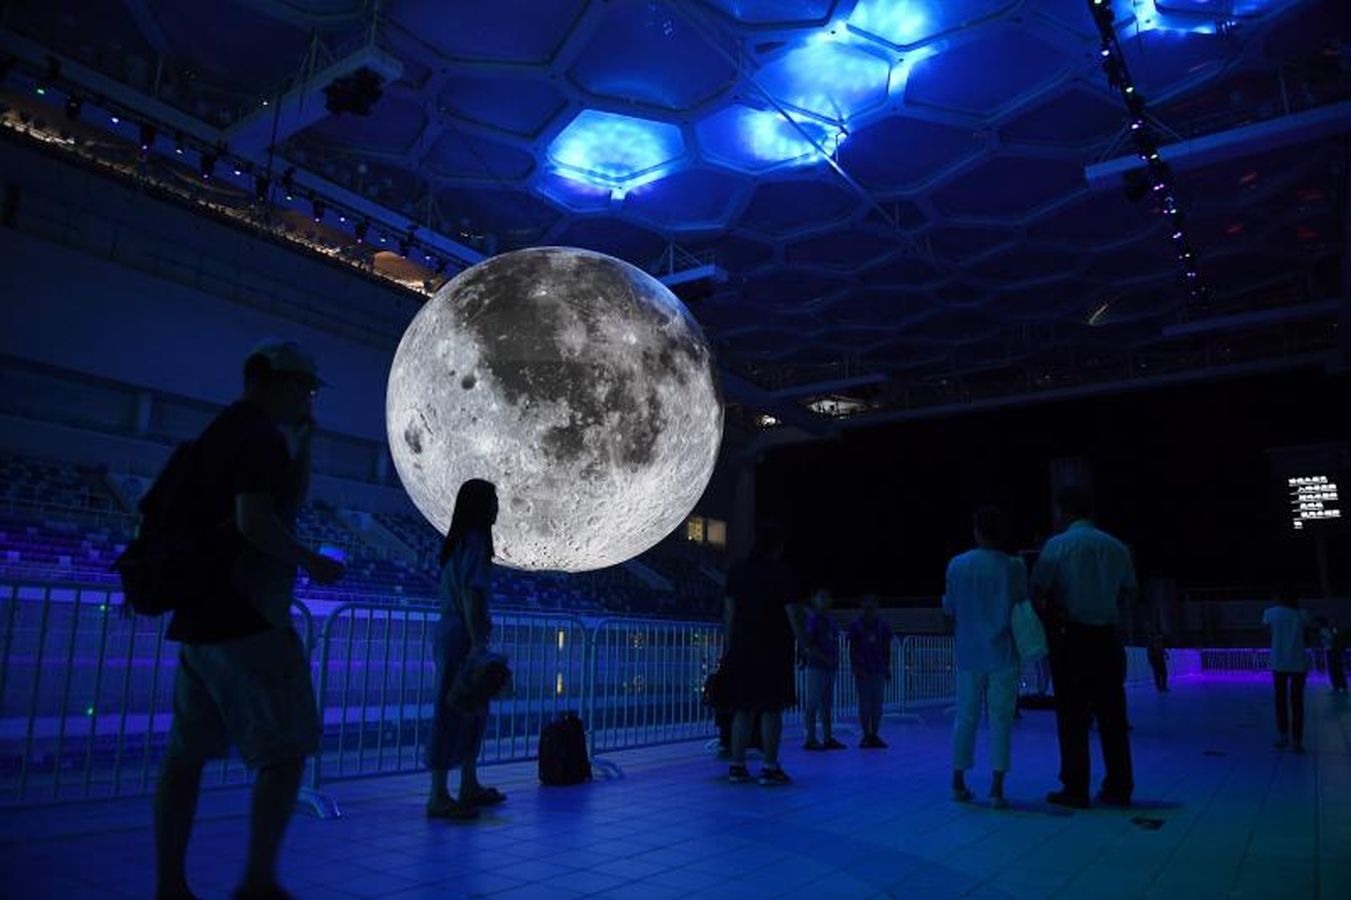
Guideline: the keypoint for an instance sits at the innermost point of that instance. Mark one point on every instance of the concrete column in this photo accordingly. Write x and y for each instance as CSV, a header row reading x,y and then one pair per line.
x,y
741,528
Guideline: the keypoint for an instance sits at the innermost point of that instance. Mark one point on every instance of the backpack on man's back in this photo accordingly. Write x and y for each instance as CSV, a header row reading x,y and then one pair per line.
x,y
164,565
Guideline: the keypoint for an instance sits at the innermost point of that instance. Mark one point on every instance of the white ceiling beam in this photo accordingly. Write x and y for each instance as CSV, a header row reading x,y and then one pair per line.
x,y
269,126
1246,140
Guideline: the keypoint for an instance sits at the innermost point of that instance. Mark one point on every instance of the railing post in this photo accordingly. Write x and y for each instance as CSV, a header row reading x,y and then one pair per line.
x,y
589,677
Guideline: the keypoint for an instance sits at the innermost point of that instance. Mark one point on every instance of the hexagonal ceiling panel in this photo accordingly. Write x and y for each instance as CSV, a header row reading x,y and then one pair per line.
x,y
789,13
460,155
827,78
1076,117
843,250
789,289
904,23
521,106
648,53
903,153
784,207
1008,187
994,71
785,140
508,31
697,198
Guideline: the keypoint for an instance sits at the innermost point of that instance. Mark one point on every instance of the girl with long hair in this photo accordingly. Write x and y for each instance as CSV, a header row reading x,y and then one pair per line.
x,y
462,633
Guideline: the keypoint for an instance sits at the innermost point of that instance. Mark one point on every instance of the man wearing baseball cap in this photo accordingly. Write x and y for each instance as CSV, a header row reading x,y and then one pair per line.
x,y
243,678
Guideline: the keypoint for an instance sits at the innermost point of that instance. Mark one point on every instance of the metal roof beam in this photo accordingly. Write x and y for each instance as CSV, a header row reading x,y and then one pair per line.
x,y
834,386
303,105
1247,140
1274,316
169,118
750,394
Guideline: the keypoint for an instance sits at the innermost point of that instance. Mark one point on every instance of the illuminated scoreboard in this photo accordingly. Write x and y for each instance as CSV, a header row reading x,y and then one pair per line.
x,y
1314,500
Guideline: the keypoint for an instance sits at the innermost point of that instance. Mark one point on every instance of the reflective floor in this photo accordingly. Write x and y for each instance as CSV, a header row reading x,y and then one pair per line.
x,y
1221,814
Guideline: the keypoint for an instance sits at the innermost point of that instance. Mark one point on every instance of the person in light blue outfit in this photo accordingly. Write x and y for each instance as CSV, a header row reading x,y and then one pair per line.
x,y
462,635
983,585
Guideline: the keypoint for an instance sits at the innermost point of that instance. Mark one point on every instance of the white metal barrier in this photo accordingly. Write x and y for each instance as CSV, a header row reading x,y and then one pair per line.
x,y
647,679
928,671
86,692
376,683
86,695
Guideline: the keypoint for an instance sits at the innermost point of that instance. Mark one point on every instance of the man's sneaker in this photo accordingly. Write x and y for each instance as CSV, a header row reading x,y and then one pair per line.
x,y
832,744
775,777
1063,798
878,744
813,744
739,775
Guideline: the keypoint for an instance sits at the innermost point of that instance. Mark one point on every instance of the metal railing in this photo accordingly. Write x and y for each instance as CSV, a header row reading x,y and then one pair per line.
x,y
86,695
376,685
86,692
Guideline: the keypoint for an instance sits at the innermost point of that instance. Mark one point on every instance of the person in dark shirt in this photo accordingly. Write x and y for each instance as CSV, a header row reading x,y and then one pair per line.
x,y
243,677
761,616
870,660
821,655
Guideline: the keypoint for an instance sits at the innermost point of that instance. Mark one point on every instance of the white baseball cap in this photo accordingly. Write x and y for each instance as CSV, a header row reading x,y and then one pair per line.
x,y
289,357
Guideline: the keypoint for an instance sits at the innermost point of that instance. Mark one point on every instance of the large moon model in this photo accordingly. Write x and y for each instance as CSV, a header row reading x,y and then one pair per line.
x,y
576,383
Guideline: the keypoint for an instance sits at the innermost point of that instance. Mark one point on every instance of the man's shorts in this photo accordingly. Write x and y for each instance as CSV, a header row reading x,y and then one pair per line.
x,y
254,693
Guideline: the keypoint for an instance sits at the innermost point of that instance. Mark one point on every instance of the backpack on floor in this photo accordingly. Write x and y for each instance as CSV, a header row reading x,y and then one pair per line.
x,y
167,561
562,752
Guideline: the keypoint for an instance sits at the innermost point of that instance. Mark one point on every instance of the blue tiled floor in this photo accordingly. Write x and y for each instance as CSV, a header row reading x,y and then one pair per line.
x,y
1239,820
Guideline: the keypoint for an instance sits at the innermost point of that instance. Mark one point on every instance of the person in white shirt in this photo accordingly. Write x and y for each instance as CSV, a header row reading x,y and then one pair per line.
x,y
1289,668
982,587
1081,579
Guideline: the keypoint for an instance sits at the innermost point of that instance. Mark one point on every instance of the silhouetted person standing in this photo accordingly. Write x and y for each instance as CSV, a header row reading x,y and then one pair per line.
x,y
462,635
1082,578
821,655
1289,668
243,677
762,615
1334,644
870,660
1158,662
982,587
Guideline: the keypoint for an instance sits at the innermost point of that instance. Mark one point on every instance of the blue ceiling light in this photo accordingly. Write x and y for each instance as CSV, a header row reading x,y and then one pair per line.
x,y
615,152
759,138
828,78
1191,16
899,22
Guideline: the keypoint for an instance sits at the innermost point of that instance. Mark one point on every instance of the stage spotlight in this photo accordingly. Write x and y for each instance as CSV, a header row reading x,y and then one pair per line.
x,y
288,183
147,137
208,165
318,210
362,227
261,185
73,106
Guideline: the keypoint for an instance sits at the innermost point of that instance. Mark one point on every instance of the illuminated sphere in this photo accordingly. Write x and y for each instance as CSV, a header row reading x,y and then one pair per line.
x,y
576,383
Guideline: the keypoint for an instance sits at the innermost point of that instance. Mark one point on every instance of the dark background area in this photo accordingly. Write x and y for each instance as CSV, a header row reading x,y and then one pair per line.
x,y
1182,474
